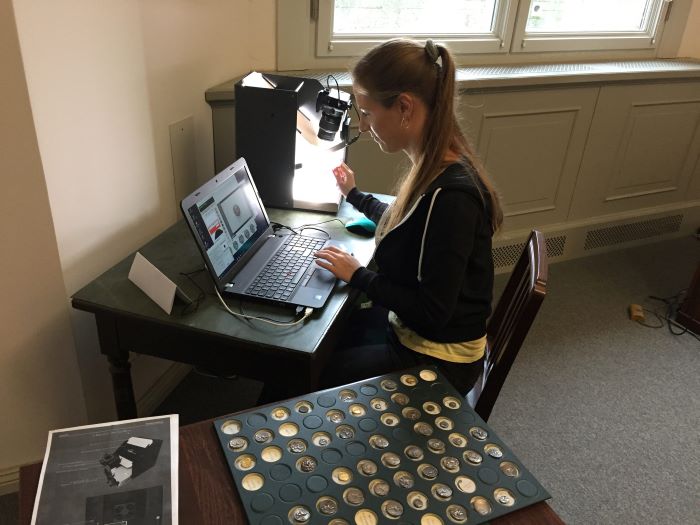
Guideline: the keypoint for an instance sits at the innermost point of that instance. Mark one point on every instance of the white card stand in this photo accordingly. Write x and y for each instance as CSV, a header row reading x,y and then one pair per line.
x,y
153,282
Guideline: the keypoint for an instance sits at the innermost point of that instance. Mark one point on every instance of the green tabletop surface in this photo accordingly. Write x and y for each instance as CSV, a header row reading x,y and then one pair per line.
x,y
174,253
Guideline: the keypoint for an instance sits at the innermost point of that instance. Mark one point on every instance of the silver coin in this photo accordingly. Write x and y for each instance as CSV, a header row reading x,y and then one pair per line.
x,y
301,515
450,464
429,472
381,488
328,507
296,446
479,433
262,436
345,433
443,491
414,452
457,513
391,460
493,451
307,464
405,482
238,444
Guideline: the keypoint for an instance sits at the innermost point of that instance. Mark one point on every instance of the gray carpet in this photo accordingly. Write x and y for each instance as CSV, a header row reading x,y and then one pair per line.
x,y
602,410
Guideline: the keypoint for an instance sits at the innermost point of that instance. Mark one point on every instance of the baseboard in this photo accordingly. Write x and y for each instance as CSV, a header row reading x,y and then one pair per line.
x,y
575,239
161,388
9,480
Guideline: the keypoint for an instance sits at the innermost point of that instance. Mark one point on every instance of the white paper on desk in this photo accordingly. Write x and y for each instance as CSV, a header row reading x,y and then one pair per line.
x,y
153,282
74,488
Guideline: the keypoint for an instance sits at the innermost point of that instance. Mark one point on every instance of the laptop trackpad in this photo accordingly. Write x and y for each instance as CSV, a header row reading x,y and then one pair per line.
x,y
320,279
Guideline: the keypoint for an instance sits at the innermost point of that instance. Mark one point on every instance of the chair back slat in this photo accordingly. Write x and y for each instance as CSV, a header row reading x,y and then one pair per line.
x,y
511,319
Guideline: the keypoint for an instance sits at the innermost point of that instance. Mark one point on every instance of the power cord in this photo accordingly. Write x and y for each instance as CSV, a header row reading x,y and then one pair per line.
x,y
667,318
307,313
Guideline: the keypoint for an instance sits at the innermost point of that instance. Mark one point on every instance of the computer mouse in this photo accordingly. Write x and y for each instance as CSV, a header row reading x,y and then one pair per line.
x,y
361,226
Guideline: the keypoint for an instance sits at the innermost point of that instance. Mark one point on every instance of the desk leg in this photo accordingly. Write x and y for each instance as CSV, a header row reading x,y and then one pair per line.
x,y
119,366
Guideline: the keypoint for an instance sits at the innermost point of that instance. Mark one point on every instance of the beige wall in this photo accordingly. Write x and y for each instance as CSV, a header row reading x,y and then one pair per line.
x,y
690,44
105,81
39,380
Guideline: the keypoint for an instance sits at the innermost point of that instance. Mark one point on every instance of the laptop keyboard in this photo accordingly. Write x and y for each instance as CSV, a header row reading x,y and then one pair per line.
x,y
281,275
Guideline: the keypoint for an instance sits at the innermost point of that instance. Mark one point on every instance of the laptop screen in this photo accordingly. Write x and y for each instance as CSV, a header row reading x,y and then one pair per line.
x,y
228,218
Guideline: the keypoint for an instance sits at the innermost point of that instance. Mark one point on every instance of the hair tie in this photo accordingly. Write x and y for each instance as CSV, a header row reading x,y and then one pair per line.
x,y
432,51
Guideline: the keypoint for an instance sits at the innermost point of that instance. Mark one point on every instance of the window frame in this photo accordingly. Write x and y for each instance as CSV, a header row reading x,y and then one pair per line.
x,y
524,42
498,41
298,24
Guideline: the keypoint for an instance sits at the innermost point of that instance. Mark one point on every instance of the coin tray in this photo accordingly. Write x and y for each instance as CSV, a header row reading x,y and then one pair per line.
x,y
400,448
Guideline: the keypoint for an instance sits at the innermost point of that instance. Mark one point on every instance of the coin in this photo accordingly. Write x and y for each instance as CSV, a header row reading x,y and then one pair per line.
x,y
238,443
296,446
306,464
494,451
378,441
423,428
347,395
409,380
378,404
481,505
389,419
245,462
300,514
392,509
379,487
452,402
450,464
327,506
427,471
444,423
335,416
411,413
458,440
431,408
388,385
391,460
232,426
367,467
345,432
472,457
441,491
400,398
413,452
479,433
321,439
510,469
404,480
504,497
280,413
357,410
354,496
436,445
457,513
417,500
465,484
262,436
303,407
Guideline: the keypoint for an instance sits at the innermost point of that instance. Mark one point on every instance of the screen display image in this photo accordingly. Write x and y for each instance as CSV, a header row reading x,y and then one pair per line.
x,y
228,221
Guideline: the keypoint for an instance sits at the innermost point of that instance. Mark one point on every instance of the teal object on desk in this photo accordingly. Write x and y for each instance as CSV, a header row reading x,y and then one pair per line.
x,y
361,226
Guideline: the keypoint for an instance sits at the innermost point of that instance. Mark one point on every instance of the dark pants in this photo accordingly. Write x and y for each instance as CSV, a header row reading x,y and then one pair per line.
x,y
370,348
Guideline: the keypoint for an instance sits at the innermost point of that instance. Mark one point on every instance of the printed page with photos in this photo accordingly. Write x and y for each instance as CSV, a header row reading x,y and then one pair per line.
x,y
120,472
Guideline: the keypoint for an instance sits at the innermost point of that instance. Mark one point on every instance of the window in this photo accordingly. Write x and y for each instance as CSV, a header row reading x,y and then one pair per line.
x,y
350,27
324,33
586,25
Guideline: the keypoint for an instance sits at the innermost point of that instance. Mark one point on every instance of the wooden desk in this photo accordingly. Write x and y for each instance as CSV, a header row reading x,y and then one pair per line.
x,y
128,321
208,495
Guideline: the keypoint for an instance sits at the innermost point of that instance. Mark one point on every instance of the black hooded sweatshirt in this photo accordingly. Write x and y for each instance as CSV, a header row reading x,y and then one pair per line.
x,y
435,269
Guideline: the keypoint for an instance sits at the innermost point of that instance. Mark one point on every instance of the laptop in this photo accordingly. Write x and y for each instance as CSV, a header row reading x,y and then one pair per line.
x,y
244,255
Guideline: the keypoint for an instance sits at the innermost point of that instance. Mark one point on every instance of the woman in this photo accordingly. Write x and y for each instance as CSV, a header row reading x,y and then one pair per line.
x,y
435,271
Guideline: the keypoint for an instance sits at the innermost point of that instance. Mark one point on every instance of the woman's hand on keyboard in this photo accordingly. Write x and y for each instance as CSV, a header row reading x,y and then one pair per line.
x,y
340,263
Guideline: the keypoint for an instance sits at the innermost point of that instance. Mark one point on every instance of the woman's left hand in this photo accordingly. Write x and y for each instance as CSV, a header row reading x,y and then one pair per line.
x,y
338,262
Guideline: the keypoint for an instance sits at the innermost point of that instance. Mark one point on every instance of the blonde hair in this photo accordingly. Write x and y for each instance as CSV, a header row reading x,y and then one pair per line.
x,y
406,66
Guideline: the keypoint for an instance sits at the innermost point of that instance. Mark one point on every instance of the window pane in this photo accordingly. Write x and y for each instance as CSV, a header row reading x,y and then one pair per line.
x,y
580,16
413,17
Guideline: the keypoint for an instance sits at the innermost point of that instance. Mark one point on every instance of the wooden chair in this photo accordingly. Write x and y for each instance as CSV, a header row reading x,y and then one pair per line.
x,y
510,322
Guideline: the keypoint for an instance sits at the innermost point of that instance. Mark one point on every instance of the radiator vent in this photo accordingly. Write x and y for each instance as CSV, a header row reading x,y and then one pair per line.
x,y
505,256
632,232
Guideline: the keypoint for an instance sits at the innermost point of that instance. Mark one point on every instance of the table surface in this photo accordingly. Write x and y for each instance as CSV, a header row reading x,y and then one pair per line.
x,y
174,252
207,494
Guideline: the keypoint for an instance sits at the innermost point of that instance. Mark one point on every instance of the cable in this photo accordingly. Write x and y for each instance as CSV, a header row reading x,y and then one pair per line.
x,y
307,313
672,303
